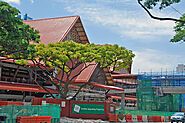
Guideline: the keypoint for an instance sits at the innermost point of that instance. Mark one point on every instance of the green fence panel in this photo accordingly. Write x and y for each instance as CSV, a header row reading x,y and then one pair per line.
x,y
55,120
145,84
13,111
176,102
9,121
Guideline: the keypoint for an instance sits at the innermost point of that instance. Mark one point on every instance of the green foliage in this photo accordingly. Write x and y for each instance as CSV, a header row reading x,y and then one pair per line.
x,y
21,62
112,56
15,36
162,3
180,31
69,55
61,53
180,26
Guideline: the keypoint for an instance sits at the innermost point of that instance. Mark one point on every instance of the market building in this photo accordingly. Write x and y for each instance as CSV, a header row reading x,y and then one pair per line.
x,y
16,83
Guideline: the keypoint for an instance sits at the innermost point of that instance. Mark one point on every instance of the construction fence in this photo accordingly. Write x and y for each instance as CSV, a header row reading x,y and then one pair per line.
x,y
80,109
150,99
13,111
145,113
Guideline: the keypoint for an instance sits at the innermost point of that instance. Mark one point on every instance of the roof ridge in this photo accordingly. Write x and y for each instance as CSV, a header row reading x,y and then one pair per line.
x,y
52,18
69,28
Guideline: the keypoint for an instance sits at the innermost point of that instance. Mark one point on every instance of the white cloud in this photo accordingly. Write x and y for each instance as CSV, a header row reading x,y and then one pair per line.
x,y
152,60
124,21
32,1
13,1
130,20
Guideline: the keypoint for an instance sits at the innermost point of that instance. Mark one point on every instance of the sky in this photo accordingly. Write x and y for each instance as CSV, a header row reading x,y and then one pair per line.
x,y
121,22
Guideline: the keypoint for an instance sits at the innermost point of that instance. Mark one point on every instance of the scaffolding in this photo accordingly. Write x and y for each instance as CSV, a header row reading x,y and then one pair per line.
x,y
148,98
163,79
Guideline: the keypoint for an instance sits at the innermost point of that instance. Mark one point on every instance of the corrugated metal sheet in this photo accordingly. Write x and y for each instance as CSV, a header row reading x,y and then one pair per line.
x,y
106,86
123,76
126,98
29,62
34,88
24,87
125,82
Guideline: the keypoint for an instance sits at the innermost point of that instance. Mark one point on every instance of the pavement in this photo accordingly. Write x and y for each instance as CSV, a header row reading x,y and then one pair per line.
x,y
73,120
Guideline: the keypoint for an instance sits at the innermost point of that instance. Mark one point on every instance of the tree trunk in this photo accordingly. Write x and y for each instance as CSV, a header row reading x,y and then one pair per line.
x,y
35,80
16,72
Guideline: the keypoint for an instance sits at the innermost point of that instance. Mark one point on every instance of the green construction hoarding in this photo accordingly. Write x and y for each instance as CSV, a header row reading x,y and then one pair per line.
x,y
87,108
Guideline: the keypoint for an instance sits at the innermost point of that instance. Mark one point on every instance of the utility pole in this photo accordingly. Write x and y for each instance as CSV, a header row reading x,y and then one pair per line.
x,y
123,101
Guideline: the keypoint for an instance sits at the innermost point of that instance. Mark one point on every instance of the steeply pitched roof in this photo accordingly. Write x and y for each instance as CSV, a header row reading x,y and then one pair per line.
x,y
84,76
54,30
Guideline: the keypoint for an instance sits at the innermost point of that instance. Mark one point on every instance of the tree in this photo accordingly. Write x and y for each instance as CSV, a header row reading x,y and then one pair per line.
x,y
68,56
112,56
180,31
180,23
15,36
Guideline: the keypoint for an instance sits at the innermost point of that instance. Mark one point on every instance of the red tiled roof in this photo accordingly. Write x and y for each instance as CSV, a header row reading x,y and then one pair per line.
x,y
24,87
106,86
125,82
84,76
126,98
34,88
29,62
53,30
123,76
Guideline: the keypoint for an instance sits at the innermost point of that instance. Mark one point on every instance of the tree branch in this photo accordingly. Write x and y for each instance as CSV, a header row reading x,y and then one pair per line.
x,y
47,74
35,80
69,81
38,63
9,53
6,58
16,72
59,87
80,90
70,60
158,18
63,66
86,66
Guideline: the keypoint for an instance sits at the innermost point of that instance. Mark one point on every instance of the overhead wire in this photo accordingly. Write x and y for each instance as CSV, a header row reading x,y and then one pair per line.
x,y
177,10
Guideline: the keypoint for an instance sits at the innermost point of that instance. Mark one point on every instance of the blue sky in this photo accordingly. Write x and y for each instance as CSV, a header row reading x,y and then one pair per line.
x,y
121,22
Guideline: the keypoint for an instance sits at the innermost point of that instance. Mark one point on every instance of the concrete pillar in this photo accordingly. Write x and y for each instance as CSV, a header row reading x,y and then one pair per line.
x,y
0,70
24,96
122,101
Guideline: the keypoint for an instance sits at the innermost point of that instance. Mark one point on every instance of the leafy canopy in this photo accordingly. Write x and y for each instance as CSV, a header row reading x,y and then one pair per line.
x,y
59,54
161,4
112,56
15,36
69,55
180,31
